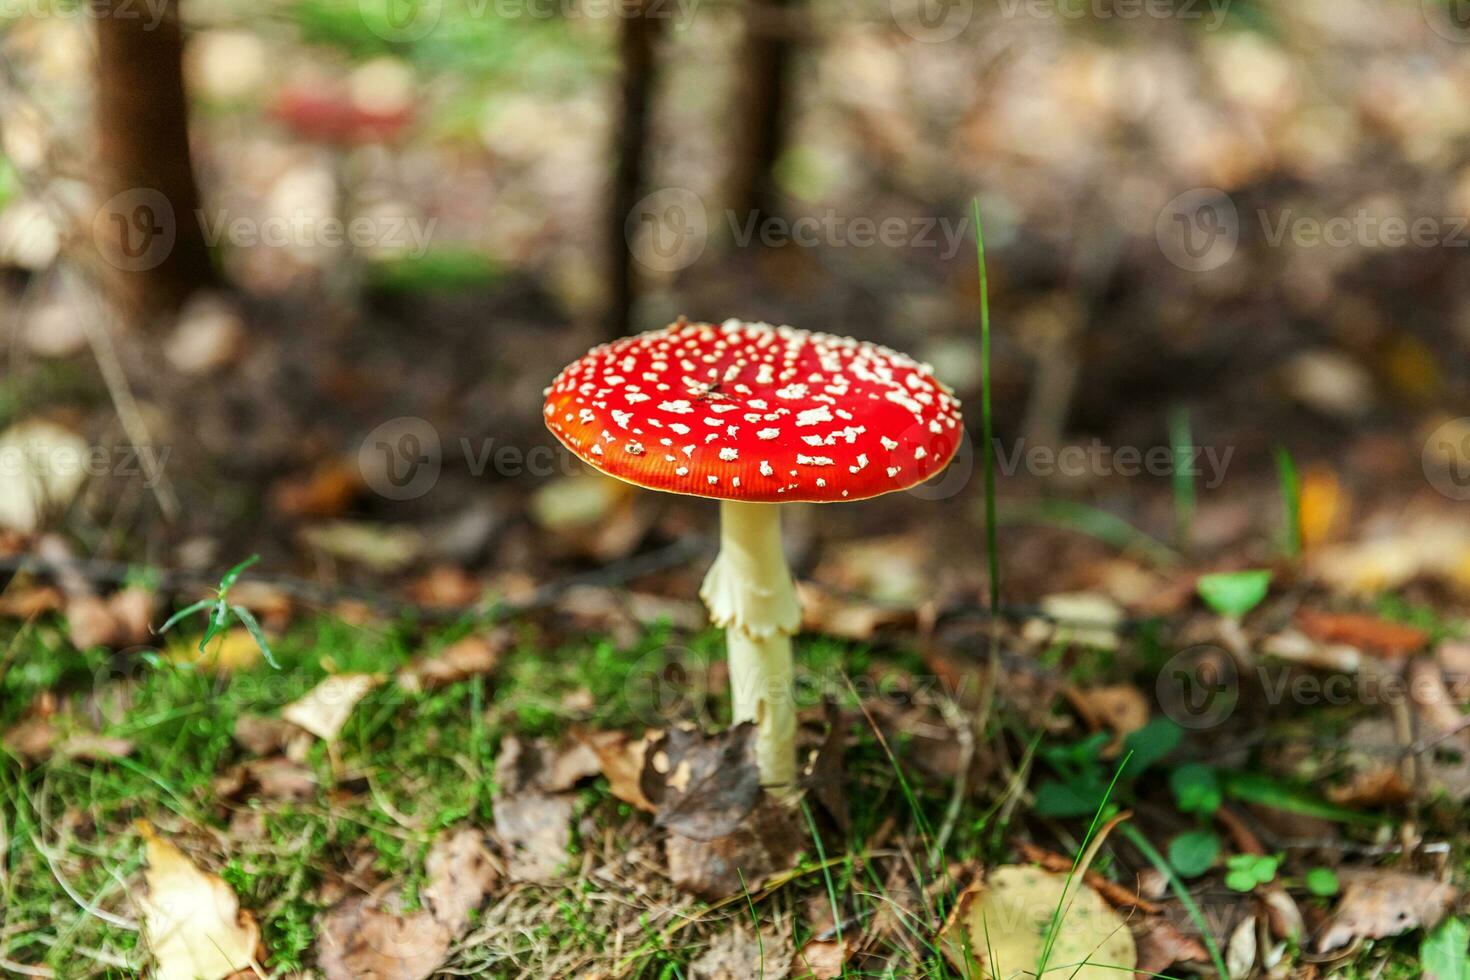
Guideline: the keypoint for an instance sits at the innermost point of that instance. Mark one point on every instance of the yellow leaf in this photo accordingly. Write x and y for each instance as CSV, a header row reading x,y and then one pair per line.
x,y
999,928
1324,504
235,649
191,919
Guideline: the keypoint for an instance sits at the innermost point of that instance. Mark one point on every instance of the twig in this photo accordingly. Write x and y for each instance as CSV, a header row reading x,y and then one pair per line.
x,y
965,733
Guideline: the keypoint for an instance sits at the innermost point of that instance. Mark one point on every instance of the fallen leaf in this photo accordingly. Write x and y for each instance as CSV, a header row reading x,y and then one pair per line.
x,y
998,928
120,620
273,779
45,467
1120,708
1322,506
266,736
381,548
325,708
1118,895
767,841
1380,903
1240,949
1380,786
822,959
366,937
1161,944
1085,619
231,651
327,491
622,759
19,602
1296,647
192,920
704,786
461,660
38,739
1362,631
461,871
445,587
739,954
533,825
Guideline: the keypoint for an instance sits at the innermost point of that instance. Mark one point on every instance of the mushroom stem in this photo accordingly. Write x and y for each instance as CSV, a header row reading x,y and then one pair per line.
x,y
750,594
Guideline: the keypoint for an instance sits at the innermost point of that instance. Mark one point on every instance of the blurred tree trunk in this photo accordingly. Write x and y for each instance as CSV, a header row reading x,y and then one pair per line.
x,y
637,45
148,230
765,105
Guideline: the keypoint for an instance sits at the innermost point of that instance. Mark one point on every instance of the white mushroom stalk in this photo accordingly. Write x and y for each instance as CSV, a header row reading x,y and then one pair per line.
x,y
750,595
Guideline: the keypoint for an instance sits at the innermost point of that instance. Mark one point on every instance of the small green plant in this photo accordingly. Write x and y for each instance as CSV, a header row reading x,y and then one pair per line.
x,y
1291,502
219,610
1194,852
1443,952
1196,789
1322,882
1233,594
1243,872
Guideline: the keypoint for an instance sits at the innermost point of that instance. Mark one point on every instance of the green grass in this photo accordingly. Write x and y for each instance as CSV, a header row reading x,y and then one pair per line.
x,y
430,761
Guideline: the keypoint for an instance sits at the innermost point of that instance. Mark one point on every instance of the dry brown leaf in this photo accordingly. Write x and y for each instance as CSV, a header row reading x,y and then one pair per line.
x,y
822,959
532,825
1161,944
740,954
29,602
767,842
445,586
1362,631
120,620
364,937
1380,786
326,491
325,708
273,779
192,920
703,785
461,660
1121,708
1240,949
1381,903
622,759
266,736
38,739
999,925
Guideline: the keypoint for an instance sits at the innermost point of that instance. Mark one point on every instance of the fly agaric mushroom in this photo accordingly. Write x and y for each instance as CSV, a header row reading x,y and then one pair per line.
x,y
755,416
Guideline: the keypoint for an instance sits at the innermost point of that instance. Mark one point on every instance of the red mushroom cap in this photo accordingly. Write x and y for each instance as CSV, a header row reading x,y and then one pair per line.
x,y
747,411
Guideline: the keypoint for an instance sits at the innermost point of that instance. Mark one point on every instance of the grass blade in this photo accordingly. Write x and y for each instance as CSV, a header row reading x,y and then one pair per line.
x,y
1181,441
1291,502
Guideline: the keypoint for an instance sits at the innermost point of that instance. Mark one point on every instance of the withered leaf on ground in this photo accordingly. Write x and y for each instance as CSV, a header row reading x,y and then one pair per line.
x,y
824,778
192,920
266,736
740,954
532,823
822,959
38,739
768,841
999,927
622,759
461,660
367,936
272,778
119,620
1379,903
1363,631
1161,944
703,785
325,708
